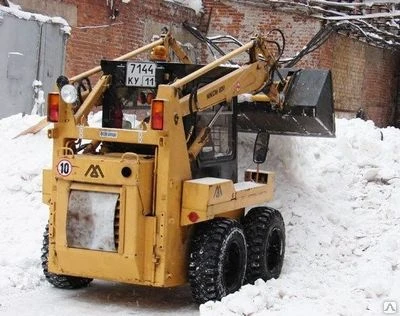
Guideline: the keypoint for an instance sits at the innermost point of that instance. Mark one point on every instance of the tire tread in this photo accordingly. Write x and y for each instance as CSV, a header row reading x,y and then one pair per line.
x,y
58,280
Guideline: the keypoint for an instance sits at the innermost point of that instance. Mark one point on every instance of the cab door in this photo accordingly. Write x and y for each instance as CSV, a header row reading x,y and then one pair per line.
x,y
218,158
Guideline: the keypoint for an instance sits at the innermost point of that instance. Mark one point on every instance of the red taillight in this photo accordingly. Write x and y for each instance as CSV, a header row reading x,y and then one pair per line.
x,y
157,114
53,107
193,217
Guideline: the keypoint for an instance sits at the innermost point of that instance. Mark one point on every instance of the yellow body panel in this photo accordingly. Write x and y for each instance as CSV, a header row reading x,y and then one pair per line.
x,y
199,193
132,263
152,243
211,197
47,186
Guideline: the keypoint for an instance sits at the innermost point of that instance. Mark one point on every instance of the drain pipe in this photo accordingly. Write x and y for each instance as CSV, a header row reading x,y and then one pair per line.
x,y
397,104
38,93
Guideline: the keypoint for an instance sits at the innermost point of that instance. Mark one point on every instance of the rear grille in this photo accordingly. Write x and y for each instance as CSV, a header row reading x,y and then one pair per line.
x,y
116,224
93,220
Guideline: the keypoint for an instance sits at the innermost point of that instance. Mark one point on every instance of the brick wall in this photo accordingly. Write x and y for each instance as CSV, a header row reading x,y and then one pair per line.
x,y
348,67
98,37
380,85
363,76
244,20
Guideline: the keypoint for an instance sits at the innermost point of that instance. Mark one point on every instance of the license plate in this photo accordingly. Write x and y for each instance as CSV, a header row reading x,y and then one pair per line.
x,y
140,74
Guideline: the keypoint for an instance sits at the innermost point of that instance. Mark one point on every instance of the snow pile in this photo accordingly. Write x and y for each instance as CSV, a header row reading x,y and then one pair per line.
x,y
340,200
16,11
339,197
22,213
196,5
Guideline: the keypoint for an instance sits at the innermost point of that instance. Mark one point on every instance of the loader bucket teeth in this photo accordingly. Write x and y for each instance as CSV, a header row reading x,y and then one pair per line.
x,y
308,109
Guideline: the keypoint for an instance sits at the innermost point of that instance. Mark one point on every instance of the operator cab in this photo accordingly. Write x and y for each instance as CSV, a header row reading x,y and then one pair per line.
x,y
127,104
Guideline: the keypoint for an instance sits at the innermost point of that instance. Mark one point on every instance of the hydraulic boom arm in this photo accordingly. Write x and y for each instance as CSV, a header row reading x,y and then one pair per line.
x,y
249,78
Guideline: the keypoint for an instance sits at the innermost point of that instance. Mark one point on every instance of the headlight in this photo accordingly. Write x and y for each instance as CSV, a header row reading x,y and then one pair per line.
x,y
69,93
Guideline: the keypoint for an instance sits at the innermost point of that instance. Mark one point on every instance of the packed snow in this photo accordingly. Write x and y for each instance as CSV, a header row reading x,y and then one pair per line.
x,y
340,200
339,197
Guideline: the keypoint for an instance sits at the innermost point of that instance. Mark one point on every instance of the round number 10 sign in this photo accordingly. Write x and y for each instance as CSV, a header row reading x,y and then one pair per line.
x,y
64,168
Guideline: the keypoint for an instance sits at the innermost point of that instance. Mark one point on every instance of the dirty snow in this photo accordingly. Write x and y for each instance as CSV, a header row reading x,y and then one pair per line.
x,y
339,197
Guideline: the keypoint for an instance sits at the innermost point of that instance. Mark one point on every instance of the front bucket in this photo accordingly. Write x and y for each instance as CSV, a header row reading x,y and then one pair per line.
x,y
308,108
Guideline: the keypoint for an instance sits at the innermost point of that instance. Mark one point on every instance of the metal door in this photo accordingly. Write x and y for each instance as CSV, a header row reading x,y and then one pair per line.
x,y
30,50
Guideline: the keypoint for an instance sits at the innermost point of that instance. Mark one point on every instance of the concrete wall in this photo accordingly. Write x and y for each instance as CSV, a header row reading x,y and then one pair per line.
x,y
52,8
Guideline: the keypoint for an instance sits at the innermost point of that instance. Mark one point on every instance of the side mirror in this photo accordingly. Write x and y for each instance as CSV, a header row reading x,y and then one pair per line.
x,y
261,147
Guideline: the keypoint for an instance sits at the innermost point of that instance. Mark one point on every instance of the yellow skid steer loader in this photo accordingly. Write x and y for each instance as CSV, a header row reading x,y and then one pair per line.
x,y
151,195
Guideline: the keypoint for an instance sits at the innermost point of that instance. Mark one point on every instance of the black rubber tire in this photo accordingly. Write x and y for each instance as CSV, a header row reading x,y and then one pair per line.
x,y
265,236
58,280
217,259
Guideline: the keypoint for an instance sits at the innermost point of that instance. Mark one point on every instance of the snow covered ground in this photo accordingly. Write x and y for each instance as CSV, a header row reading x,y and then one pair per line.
x,y
340,199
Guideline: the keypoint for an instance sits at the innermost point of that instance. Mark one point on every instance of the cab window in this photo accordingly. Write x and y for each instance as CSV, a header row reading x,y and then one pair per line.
x,y
220,144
